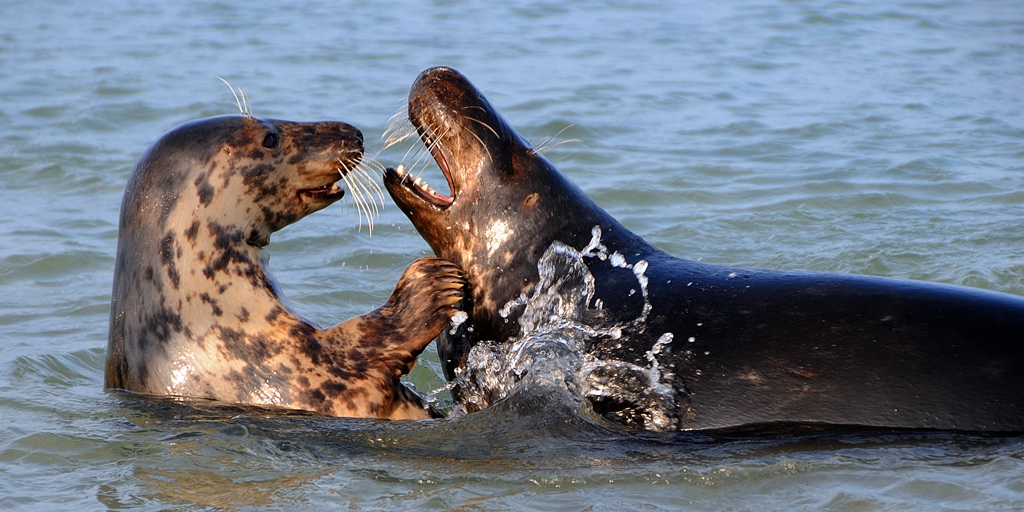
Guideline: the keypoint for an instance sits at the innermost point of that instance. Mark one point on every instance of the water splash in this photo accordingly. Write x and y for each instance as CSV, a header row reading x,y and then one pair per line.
x,y
560,319
458,319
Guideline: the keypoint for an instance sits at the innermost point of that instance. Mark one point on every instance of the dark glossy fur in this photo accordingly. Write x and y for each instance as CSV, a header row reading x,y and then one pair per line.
x,y
768,346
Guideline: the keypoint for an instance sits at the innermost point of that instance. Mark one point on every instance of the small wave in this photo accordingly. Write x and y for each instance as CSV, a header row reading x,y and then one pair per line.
x,y
81,368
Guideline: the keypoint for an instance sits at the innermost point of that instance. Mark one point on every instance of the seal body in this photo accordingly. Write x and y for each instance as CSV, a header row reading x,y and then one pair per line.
x,y
195,312
747,345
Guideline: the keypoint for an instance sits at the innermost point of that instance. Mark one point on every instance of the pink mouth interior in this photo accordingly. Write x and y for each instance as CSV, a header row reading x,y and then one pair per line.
x,y
424,190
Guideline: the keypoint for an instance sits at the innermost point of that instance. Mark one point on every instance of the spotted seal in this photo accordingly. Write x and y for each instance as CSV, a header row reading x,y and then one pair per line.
x,y
195,312
738,346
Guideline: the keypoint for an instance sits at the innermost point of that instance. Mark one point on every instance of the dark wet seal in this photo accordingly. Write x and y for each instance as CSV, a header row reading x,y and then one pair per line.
x,y
195,313
736,346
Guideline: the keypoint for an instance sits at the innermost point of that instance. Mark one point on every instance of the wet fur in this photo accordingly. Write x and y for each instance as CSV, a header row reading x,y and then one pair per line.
x,y
195,313
750,345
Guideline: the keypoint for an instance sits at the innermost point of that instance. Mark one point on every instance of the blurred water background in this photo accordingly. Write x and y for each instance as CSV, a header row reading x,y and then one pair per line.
x,y
882,138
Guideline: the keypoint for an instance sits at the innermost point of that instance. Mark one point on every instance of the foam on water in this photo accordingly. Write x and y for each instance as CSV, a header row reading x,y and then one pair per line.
x,y
556,326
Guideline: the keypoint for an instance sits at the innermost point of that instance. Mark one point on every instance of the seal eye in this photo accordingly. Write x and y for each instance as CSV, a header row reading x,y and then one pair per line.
x,y
270,141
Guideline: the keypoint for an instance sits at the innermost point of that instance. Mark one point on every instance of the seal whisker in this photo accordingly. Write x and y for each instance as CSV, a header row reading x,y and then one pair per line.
x,y
368,176
483,145
359,202
555,145
401,113
377,155
397,137
243,103
422,163
436,141
397,132
418,149
546,143
420,153
399,128
485,125
371,189
362,194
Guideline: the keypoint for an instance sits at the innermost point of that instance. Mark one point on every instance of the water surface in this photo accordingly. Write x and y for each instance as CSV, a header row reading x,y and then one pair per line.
x,y
867,137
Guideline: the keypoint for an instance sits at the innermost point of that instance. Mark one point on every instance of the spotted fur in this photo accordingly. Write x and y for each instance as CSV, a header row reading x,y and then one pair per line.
x,y
195,312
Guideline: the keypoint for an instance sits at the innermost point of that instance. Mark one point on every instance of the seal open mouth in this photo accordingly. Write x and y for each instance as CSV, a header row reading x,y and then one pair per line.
x,y
475,149
327,193
421,189
460,130
417,185
327,163
331,190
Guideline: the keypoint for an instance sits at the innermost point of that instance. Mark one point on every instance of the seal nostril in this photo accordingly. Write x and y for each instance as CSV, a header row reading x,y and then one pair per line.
x,y
347,131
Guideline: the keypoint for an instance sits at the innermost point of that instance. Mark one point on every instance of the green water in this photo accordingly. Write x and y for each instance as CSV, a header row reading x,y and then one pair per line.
x,y
866,137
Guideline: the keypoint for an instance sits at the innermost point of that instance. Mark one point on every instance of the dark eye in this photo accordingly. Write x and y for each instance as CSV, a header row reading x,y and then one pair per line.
x,y
270,141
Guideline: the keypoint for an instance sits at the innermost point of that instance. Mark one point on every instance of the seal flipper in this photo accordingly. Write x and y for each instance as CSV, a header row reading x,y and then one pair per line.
x,y
384,343
424,300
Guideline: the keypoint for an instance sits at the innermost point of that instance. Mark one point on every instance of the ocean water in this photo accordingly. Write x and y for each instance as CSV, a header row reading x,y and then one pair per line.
x,y
882,138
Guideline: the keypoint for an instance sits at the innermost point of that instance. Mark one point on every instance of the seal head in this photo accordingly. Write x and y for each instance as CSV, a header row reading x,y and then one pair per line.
x,y
507,204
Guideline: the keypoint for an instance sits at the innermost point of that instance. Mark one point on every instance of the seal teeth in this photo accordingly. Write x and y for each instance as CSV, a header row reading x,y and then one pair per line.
x,y
400,170
422,185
